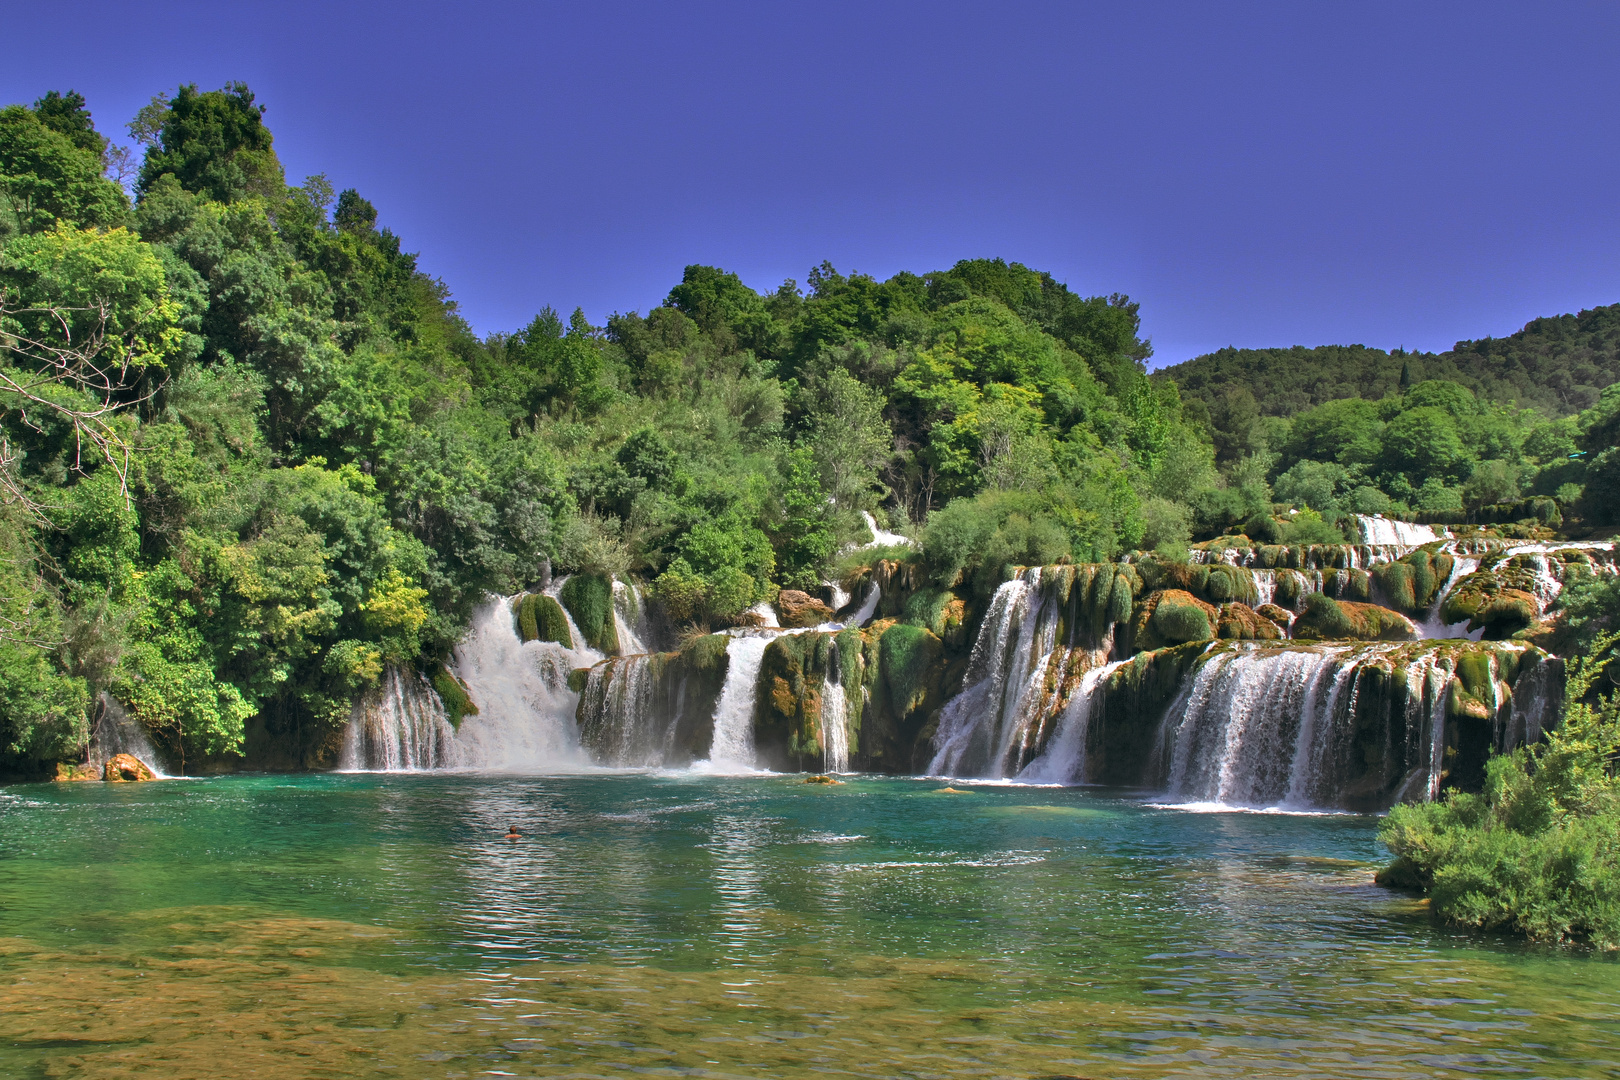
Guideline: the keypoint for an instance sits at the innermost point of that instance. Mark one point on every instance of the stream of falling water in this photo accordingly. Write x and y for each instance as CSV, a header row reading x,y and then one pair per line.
x,y
834,718
1064,761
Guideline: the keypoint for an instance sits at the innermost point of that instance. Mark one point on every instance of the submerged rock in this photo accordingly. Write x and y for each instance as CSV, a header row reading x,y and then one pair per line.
x,y
126,767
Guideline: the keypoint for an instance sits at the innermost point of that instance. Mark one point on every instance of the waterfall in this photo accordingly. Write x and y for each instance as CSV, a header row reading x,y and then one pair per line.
x,y
868,607
399,727
619,713
834,717
882,537
525,719
1377,529
116,732
980,728
733,745
629,619
1237,736
1064,761
1431,626
838,596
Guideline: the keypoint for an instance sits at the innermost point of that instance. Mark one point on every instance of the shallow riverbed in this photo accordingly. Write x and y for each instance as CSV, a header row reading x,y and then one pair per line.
x,y
370,925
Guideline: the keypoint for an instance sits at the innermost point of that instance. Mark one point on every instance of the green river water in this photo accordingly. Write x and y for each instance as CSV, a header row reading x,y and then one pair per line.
x,y
687,925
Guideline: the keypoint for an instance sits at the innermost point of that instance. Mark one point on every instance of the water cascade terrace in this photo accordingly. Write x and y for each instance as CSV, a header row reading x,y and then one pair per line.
x,y
1349,676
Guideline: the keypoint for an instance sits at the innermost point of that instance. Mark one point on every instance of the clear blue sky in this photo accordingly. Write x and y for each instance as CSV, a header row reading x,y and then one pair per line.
x,y
1254,174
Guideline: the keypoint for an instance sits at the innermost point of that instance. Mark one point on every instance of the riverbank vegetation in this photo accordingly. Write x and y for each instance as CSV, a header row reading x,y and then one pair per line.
x,y
252,455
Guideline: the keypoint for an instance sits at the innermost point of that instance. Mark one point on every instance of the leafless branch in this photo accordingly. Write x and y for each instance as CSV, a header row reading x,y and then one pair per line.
x,y
94,363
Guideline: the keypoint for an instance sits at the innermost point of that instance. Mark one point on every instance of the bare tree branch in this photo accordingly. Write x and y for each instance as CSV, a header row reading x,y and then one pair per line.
x,y
36,369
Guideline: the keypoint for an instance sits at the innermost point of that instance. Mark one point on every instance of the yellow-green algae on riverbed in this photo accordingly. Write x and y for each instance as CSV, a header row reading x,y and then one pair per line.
x,y
712,926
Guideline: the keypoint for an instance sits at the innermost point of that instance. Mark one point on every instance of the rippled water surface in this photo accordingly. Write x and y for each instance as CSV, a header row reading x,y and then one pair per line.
x,y
357,926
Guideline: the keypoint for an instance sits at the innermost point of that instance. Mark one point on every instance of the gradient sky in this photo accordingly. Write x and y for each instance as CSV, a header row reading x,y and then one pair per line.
x,y
1254,174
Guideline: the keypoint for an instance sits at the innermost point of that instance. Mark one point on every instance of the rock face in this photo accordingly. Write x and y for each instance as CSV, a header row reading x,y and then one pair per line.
x,y
126,767
798,609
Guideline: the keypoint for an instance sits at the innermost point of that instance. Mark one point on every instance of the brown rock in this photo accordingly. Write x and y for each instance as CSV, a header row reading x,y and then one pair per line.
x,y
801,609
77,772
122,767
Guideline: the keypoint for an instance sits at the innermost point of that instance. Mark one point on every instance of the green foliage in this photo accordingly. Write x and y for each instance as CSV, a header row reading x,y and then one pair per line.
x,y
51,168
541,618
1538,851
457,705
589,599
214,144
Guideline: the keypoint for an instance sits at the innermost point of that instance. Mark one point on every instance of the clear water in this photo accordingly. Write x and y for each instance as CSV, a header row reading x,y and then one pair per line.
x,y
367,925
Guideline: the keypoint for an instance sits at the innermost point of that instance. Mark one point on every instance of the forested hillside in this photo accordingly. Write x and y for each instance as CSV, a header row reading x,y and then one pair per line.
x,y
1557,366
252,455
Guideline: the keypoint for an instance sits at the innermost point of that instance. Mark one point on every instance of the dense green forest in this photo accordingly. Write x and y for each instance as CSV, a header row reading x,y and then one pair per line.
x,y
252,454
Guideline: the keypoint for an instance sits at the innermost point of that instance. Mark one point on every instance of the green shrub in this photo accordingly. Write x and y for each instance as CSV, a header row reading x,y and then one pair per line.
x,y
541,618
589,599
1538,851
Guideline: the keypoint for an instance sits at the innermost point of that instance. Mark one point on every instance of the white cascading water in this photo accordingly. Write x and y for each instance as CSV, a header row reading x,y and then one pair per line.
x,y
399,727
733,745
1064,761
1431,626
834,719
1003,687
839,596
116,732
882,537
868,608
629,619
525,719
1235,740
619,716
1379,530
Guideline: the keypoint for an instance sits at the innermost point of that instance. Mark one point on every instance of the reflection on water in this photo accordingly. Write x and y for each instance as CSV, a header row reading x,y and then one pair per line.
x,y
381,926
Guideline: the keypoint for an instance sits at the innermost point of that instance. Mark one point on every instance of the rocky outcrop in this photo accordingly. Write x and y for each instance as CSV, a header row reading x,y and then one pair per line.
x,y
799,609
126,768
1241,622
67,772
1172,617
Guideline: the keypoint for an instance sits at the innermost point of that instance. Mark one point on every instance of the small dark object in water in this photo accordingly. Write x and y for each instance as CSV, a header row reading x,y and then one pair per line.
x,y
512,833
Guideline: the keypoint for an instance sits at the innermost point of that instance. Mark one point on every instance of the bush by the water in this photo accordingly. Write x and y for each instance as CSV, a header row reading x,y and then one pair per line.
x,y
1538,851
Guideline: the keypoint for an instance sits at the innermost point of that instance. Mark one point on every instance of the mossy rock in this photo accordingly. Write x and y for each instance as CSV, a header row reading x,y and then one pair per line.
x,y
1327,619
906,656
589,599
1409,584
1348,584
1292,587
453,694
1240,622
1172,617
541,618
1278,616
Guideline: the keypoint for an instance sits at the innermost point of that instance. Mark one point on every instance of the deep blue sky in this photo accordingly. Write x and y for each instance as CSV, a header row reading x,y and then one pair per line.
x,y
1254,174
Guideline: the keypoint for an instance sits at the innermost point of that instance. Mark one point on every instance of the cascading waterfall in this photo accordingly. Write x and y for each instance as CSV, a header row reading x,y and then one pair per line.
x,y
629,619
525,719
1064,761
116,732
1431,625
980,727
619,717
882,537
733,746
1235,741
399,727
1377,529
834,718
868,608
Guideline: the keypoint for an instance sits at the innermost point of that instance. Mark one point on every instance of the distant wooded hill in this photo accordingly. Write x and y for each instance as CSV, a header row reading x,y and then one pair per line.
x,y
1556,365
